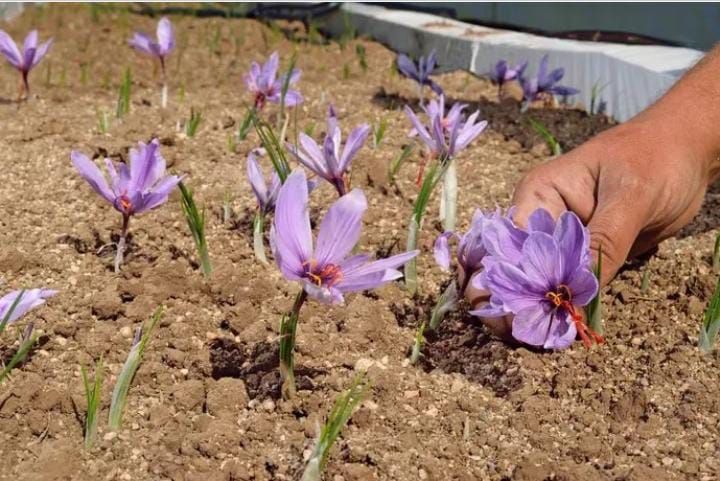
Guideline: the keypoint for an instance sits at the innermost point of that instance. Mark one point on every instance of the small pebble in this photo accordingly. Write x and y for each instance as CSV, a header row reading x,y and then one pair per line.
x,y
126,331
110,436
268,405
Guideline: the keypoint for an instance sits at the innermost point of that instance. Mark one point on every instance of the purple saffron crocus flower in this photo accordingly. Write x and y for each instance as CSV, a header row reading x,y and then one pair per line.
x,y
541,276
133,189
265,195
159,48
264,83
331,162
24,62
545,83
30,299
421,71
503,73
328,271
447,134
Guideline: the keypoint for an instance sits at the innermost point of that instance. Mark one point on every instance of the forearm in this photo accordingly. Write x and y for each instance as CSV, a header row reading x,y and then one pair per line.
x,y
690,113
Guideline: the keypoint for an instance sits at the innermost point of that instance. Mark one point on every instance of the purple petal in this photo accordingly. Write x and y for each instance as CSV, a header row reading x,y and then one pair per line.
x,y
419,127
469,132
353,144
158,195
531,325
269,71
570,235
541,220
326,295
407,67
374,274
91,173
340,228
292,98
584,286
562,332
10,50
165,36
513,287
147,166
541,260
441,250
28,56
41,52
31,298
31,41
142,42
256,179
310,156
293,238
503,240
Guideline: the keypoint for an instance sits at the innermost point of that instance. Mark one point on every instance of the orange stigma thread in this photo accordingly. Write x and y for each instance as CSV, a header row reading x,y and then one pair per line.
x,y
330,274
125,203
563,298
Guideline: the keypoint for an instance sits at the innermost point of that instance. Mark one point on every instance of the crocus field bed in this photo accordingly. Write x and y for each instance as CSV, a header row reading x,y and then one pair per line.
x,y
205,403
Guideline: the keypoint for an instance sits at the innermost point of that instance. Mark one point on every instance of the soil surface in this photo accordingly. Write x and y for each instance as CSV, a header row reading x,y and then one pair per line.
x,y
204,404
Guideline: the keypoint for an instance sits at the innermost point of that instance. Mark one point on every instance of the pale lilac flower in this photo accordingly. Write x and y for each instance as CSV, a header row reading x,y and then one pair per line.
x,y
470,249
265,85
503,73
31,55
330,270
447,134
421,71
264,193
159,47
133,189
332,161
541,276
31,298
545,83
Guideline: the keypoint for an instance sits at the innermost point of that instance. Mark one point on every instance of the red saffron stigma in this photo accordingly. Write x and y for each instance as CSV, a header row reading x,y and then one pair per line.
x,y
563,298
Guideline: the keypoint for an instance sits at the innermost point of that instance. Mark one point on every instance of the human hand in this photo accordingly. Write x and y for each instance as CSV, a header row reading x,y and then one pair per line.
x,y
633,186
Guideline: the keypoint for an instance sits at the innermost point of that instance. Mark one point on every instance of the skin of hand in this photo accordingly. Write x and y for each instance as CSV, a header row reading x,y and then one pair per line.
x,y
636,184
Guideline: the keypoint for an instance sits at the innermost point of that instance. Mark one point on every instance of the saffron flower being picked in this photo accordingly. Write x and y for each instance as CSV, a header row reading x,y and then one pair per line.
x,y
332,161
420,72
265,85
133,189
541,276
24,62
545,84
329,270
160,48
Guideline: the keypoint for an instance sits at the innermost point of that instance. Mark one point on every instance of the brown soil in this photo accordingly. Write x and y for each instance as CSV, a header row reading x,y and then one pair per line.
x,y
204,404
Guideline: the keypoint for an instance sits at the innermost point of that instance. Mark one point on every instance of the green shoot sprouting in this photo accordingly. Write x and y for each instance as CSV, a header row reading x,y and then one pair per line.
x,y
231,143
346,71
122,385
379,132
227,207
447,301
338,417
594,309
716,256
645,283
27,341
273,147
432,177
259,237
349,32
103,122
549,139
362,60
288,330
92,396
193,122
246,124
123,103
711,323
196,223
418,343
283,93
397,162
310,129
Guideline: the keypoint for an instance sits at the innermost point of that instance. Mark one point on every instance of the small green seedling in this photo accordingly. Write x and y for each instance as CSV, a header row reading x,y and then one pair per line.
x,y
288,330
283,93
397,162
418,343
346,71
379,132
27,341
362,59
227,207
711,323
716,255
246,124
338,417
645,283
92,396
123,103
196,222
193,123
594,309
447,301
103,122
274,148
310,129
122,385
549,139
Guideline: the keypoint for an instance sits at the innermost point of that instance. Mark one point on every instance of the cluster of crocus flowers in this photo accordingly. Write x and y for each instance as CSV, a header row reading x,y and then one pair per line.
x,y
263,82
133,189
329,270
331,161
420,72
160,47
504,73
541,276
545,85
27,59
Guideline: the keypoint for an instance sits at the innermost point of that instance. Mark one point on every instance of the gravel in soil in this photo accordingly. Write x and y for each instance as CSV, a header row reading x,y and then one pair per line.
x,y
204,403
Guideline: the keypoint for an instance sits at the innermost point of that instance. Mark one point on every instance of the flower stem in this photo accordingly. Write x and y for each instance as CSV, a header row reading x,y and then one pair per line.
x,y
121,243
288,328
448,200
258,233
164,91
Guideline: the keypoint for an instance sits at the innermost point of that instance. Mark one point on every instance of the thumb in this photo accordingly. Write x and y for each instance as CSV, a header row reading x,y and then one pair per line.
x,y
614,226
